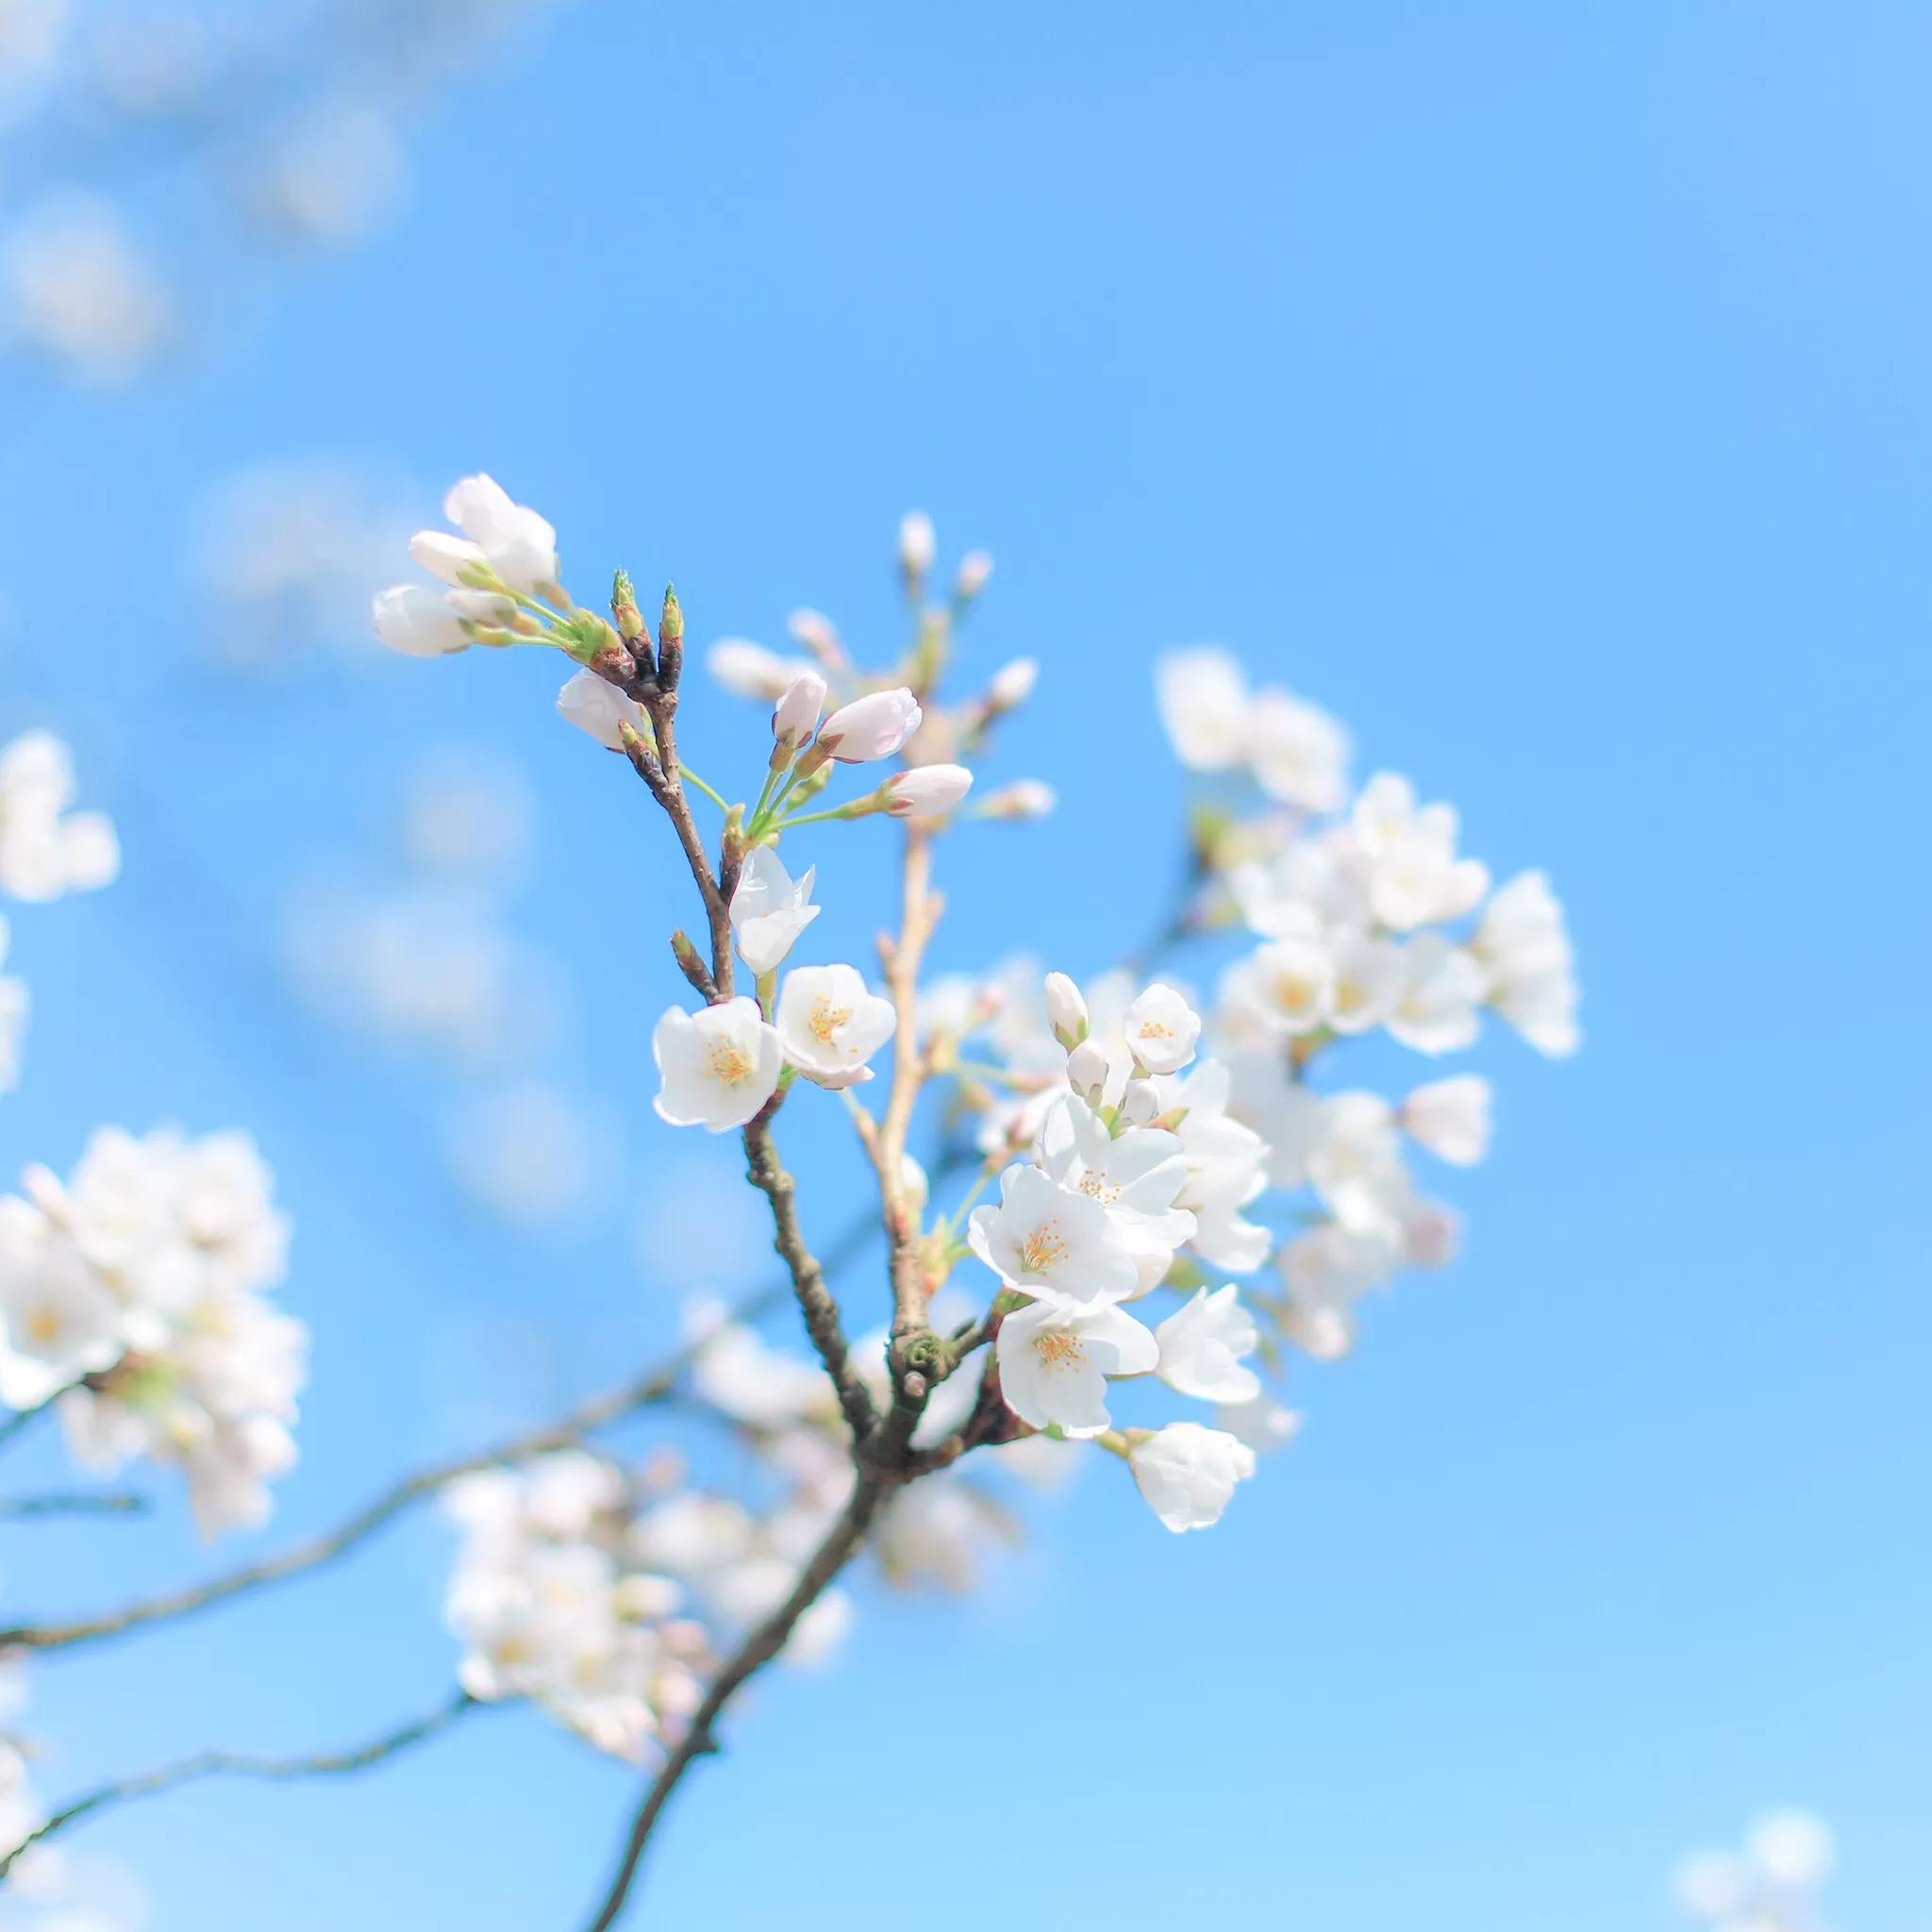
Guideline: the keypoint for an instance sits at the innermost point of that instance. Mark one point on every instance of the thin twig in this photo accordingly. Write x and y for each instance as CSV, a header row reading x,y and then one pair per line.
x,y
654,1385
245,1764
81,1503
920,910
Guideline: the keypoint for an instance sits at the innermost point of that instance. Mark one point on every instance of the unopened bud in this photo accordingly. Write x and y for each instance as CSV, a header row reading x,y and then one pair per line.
x,y
1141,1104
816,632
670,641
974,568
926,791
625,613
1024,798
1066,1011
917,544
1012,685
914,1184
797,715
1087,1072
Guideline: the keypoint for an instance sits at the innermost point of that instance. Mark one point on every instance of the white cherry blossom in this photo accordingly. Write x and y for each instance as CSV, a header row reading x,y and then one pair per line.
x,y
1439,1007
1203,703
1136,1177
769,909
46,848
1451,1118
1524,949
1162,1029
1298,753
1046,1239
1055,1358
518,544
830,1024
716,1067
596,707
1202,1344
1414,876
1188,1473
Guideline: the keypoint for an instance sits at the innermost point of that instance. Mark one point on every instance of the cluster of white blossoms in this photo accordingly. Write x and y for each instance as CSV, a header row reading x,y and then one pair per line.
x,y
134,1296
1365,918
553,1603
1771,1885
1145,1142
605,1592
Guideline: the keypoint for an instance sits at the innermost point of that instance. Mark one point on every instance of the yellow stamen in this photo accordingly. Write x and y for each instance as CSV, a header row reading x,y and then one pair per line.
x,y
728,1062
1043,1248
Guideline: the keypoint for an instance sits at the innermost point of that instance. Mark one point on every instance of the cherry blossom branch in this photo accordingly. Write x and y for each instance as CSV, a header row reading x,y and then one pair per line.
x,y
246,1764
901,958
655,1385
815,1299
840,1545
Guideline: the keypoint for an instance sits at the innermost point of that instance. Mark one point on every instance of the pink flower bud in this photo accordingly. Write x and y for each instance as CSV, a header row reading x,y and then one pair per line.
x,y
873,726
927,791
798,711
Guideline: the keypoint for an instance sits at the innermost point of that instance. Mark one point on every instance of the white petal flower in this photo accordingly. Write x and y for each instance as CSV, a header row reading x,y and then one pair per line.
x,y
717,1067
1202,1344
1203,703
519,545
598,707
1137,1178
1225,1160
927,791
1049,1240
1440,1010
873,726
1368,979
1055,1356
1162,1029
417,621
770,909
1524,950
45,849
58,1319
749,671
1188,1473
1284,987
1325,1271
1414,875
1298,752
830,1024
1451,1118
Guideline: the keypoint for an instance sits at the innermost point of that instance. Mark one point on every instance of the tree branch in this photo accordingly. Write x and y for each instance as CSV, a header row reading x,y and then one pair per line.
x,y
244,1764
81,1503
655,1385
920,911
815,1299
839,1546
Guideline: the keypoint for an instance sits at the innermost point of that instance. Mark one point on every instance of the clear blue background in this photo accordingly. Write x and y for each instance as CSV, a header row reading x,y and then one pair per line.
x,y
1546,391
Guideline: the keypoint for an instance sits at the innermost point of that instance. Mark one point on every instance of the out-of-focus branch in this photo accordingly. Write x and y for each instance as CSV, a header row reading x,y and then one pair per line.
x,y
80,1502
655,1385
815,1299
245,1764
920,912
840,1545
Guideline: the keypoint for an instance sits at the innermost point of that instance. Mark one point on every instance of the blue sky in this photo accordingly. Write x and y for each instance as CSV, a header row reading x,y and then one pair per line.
x,y
1544,390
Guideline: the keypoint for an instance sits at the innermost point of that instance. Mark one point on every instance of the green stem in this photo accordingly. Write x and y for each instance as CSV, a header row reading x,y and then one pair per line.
x,y
684,771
